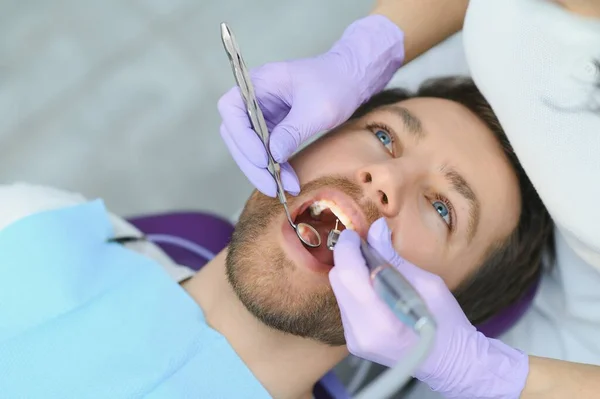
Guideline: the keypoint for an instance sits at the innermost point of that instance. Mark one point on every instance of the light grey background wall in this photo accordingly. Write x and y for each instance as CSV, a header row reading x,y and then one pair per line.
x,y
117,98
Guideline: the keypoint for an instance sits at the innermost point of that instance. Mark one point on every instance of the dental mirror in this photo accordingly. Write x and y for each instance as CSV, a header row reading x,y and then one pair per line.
x,y
308,234
305,232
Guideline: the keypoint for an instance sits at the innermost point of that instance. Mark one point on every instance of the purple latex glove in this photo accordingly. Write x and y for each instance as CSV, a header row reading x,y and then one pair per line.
x,y
463,362
304,97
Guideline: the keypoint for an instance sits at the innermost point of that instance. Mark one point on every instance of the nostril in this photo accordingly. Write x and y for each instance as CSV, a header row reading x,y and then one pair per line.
x,y
384,198
367,178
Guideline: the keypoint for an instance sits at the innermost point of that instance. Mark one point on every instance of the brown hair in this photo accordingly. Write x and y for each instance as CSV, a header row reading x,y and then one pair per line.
x,y
513,265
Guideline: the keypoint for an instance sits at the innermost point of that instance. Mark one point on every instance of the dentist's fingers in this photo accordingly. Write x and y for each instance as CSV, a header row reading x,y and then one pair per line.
x,y
380,238
429,285
302,122
350,273
365,317
259,177
289,179
239,129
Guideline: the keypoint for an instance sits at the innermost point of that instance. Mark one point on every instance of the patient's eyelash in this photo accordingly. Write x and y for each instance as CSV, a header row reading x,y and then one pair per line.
x,y
448,204
376,128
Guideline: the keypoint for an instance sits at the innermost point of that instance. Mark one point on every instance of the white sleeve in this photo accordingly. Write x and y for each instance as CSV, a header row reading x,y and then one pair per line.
x,y
534,62
20,200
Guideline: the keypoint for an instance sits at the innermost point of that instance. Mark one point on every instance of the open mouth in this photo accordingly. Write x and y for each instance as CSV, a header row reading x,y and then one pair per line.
x,y
330,210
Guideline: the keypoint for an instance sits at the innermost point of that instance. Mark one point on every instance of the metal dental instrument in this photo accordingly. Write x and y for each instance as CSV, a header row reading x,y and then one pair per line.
x,y
305,232
333,236
407,305
390,285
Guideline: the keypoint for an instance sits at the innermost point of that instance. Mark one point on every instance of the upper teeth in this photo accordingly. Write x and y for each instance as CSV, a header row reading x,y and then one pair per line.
x,y
319,206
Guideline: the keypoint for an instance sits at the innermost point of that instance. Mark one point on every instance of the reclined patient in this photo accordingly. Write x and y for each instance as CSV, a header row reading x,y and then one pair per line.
x,y
88,318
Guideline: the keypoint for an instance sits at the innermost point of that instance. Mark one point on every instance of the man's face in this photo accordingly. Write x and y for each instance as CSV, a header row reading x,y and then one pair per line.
x,y
429,166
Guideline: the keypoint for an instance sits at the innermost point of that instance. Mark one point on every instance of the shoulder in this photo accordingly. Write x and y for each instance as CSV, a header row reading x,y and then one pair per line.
x,y
537,65
20,200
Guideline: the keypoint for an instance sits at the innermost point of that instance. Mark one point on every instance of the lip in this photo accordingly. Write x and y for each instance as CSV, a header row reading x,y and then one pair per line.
x,y
345,203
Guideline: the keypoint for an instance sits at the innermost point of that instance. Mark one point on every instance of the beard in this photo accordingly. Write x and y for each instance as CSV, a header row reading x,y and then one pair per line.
x,y
263,277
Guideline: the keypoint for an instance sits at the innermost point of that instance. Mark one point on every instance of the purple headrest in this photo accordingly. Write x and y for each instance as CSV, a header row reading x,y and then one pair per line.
x,y
504,320
210,231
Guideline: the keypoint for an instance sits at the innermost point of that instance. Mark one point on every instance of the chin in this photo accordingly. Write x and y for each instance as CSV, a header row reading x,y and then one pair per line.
x,y
281,282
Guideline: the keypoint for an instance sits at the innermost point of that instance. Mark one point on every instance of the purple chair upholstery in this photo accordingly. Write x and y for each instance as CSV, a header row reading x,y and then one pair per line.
x,y
213,234
504,320
209,231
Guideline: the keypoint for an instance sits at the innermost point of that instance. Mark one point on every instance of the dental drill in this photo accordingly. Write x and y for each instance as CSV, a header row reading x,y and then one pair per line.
x,y
407,305
389,284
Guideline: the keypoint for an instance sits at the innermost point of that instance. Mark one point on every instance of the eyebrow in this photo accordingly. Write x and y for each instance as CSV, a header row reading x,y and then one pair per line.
x,y
411,122
460,185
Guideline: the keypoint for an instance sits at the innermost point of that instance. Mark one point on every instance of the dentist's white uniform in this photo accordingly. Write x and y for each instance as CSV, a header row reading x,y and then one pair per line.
x,y
536,65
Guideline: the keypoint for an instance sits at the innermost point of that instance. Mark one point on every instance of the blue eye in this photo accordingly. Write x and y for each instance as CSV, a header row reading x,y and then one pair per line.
x,y
384,137
443,210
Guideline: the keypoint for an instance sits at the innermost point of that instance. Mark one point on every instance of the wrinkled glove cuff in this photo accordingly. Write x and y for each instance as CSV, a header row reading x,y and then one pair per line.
x,y
497,371
375,48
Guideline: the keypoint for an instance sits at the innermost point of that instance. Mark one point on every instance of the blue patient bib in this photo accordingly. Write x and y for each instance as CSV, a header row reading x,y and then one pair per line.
x,y
82,318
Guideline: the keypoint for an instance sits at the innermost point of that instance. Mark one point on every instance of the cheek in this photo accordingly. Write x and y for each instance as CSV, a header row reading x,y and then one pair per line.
x,y
417,239
414,241
417,244
420,238
333,154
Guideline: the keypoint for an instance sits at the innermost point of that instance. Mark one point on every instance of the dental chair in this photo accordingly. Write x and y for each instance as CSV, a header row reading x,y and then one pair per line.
x,y
192,238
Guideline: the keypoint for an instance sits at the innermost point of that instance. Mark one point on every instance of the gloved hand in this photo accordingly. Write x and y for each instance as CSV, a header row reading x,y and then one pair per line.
x,y
463,362
302,98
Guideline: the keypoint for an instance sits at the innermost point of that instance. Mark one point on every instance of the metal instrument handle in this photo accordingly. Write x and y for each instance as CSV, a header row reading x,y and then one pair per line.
x,y
257,120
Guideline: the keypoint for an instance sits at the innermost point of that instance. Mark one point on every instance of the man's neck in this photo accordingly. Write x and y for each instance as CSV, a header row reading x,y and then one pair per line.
x,y
286,365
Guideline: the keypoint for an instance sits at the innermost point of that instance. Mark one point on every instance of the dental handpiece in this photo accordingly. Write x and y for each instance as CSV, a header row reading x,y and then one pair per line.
x,y
408,306
395,291
391,286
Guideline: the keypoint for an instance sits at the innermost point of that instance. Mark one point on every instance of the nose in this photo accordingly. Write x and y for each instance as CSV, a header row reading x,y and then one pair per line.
x,y
384,184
